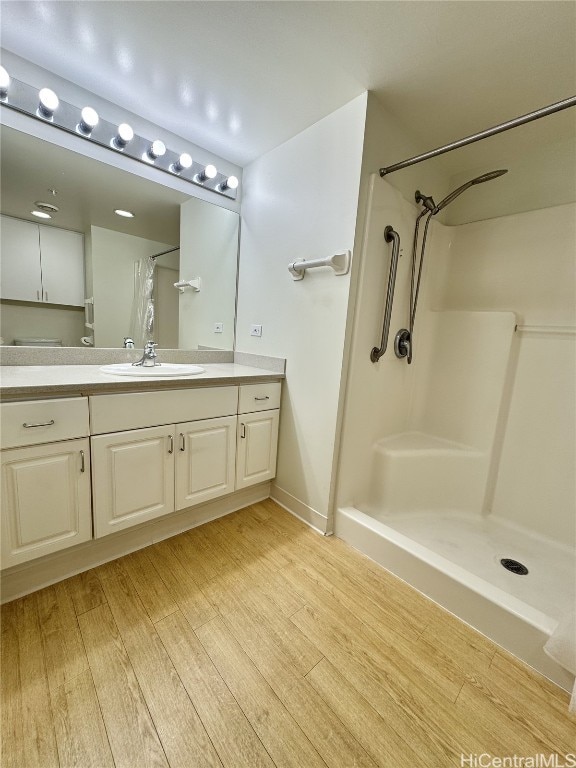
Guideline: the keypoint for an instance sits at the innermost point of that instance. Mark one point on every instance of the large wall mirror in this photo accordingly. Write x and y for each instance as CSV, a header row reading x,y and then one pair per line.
x,y
40,256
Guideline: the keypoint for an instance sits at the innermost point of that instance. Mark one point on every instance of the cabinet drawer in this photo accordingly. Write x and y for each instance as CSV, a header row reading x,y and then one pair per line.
x,y
115,413
259,397
43,421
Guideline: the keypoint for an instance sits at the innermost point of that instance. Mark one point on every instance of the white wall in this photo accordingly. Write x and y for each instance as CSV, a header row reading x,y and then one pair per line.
x,y
525,263
23,320
113,255
300,202
388,141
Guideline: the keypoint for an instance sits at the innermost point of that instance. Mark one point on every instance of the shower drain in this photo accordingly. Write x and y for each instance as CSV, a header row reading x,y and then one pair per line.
x,y
514,566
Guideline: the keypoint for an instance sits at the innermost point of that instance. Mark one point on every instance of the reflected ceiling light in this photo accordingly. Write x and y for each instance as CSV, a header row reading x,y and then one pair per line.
x,y
88,120
124,136
46,207
4,82
230,183
156,149
125,214
182,164
41,214
208,173
48,103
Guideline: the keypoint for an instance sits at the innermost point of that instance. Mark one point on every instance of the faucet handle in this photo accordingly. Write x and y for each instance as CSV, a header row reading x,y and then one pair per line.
x,y
150,348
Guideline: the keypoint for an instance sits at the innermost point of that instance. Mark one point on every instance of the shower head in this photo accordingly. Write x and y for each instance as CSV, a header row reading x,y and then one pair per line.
x,y
489,176
478,180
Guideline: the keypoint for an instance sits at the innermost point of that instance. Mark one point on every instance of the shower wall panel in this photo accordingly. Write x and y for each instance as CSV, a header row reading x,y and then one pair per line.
x,y
525,263
379,395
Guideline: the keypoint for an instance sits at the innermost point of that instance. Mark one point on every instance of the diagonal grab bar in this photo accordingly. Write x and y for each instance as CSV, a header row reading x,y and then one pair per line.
x,y
390,236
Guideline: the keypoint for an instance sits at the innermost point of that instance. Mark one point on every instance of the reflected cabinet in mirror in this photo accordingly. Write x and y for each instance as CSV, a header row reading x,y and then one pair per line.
x,y
71,276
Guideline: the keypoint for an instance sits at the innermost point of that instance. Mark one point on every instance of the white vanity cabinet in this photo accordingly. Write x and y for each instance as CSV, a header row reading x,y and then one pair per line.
x,y
77,468
41,263
45,485
257,439
146,472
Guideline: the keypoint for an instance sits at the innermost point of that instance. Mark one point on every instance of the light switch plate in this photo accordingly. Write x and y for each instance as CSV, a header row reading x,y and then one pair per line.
x,y
255,330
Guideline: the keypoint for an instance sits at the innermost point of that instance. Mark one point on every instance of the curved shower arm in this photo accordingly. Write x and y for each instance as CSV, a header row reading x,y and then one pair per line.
x,y
415,290
390,236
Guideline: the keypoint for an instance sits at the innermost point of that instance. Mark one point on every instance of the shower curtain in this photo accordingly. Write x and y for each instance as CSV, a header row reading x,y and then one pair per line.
x,y
142,317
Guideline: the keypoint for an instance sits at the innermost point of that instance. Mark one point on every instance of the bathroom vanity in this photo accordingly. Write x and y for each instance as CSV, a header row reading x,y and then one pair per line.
x,y
94,457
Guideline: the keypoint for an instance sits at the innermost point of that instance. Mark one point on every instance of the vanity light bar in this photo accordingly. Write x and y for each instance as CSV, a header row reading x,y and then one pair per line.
x,y
44,105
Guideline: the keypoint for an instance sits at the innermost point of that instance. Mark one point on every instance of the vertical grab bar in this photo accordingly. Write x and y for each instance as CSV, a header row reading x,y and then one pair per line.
x,y
390,236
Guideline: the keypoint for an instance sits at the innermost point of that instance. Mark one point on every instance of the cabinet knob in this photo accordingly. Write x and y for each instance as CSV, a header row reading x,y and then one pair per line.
x,y
82,462
266,397
171,444
242,430
182,442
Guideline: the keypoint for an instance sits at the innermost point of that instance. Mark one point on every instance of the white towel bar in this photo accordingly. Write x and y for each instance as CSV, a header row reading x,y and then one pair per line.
x,y
340,263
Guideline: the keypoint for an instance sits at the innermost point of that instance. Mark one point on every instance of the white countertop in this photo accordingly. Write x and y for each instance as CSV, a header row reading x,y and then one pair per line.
x,y
47,380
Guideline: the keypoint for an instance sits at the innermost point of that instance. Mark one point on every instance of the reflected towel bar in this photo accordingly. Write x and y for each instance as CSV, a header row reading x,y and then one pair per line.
x,y
195,284
340,263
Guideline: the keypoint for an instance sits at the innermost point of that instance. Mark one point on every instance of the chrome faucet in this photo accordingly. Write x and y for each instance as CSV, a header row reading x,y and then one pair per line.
x,y
128,342
148,359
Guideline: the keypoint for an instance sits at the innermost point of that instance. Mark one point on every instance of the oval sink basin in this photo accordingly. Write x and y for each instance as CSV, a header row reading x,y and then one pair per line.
x,y
164,369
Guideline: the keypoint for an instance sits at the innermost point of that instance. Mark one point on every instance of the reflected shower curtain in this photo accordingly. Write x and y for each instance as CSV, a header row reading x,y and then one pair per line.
x,y
142,317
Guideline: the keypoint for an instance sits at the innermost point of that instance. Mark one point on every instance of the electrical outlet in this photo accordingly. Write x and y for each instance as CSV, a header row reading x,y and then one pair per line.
x,y
218,327
255,330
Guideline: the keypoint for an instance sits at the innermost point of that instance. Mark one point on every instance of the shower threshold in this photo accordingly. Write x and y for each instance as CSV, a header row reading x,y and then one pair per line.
x,y
454,558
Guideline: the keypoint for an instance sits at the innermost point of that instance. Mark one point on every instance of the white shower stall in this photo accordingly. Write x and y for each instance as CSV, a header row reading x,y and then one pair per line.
x,y
466,457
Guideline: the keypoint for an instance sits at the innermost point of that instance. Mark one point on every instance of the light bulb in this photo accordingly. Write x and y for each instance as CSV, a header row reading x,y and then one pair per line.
x,y
125,214
230,183
48,102
88,121
41,214
157,149
208,173
125,134
183,163
4,82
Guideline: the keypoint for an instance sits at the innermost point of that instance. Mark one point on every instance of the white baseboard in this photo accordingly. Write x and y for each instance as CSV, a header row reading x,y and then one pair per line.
x,y
28,577
300,510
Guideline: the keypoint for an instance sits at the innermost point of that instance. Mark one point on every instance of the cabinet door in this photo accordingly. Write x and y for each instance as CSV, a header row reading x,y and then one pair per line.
x,y
132,478
205,460
62,257
45,499
20,260
256,447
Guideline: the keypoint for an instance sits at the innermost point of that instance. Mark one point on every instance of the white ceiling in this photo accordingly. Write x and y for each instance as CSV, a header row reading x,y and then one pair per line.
x,y
239,78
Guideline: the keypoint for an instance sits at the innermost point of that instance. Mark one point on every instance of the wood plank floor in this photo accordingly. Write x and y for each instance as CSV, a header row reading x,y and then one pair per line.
x,y
254,642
